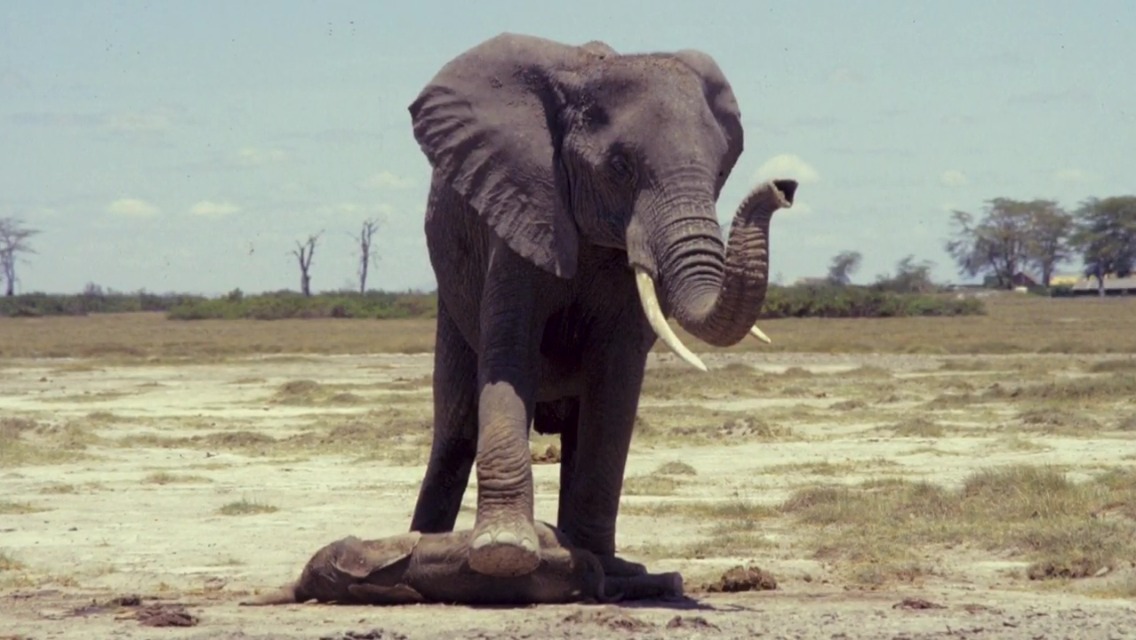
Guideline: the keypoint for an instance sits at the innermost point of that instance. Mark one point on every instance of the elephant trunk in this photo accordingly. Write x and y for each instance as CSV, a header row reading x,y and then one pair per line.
x,y
715,297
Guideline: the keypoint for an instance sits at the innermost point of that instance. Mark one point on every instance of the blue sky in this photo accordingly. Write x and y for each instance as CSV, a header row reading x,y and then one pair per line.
x,y
186,145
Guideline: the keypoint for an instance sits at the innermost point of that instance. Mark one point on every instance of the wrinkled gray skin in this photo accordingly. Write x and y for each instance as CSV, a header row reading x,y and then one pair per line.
x,y
413,568
557,170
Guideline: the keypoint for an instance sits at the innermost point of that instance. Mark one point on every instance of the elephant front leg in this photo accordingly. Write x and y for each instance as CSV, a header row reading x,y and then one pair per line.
x,y
504,542
614,377
455,430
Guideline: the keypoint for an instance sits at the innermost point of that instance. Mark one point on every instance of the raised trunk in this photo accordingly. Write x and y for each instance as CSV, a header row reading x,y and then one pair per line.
x,y
718,299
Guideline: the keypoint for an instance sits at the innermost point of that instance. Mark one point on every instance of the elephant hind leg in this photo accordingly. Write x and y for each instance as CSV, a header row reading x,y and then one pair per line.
x,y
455,430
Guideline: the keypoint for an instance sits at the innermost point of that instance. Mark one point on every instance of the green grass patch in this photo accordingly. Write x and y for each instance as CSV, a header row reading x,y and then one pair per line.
x,y
244,507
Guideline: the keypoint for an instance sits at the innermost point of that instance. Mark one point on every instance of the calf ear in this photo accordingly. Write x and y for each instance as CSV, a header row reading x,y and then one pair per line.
x,y
381,561
374,594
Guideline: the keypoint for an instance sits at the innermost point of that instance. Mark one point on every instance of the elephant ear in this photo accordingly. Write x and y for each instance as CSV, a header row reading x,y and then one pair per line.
x,y
488,122
723,104
382,561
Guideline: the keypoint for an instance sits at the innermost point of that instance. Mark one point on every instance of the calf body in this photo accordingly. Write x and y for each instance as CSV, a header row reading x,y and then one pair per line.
x,y
416,567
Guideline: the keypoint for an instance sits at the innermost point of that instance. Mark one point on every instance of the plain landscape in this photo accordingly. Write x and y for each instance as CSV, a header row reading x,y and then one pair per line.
x,y
925,477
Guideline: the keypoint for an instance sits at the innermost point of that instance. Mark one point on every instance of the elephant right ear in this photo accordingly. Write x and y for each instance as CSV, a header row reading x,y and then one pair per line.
x,y
489,124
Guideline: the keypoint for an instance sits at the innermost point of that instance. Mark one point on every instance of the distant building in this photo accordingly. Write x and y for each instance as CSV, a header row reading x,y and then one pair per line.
x,y
1113,286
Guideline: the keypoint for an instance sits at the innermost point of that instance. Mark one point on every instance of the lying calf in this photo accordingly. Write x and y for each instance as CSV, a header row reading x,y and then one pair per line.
x,y
415,567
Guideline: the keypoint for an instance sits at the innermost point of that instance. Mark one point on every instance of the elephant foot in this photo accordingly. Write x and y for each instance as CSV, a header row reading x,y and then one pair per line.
x,y
504,550
618,567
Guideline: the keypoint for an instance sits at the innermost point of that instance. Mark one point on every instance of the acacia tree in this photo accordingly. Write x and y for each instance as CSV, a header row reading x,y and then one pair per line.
x,y
304,252
843,265
13,242
1106,236
1010,236
366,251
910,277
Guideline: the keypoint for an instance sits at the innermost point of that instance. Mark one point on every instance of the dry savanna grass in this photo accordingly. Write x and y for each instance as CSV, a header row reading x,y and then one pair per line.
x,y
881,531
392,435
25,442
1012,324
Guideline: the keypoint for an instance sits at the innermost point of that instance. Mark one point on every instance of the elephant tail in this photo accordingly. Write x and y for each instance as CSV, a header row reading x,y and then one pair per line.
x,y
288,594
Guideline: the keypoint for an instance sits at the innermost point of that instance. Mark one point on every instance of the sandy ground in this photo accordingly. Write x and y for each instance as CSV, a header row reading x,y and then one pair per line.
x,y
106,543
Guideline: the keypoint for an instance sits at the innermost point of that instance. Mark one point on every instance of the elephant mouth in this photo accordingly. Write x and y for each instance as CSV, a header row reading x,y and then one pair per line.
x,y
721,310
649,299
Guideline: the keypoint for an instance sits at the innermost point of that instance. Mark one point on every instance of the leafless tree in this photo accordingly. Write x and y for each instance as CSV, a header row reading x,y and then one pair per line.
x,y
304,252
366,250
13,242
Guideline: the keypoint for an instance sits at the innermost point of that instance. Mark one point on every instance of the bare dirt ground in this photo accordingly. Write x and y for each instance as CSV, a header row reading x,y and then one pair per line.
x,y
136,493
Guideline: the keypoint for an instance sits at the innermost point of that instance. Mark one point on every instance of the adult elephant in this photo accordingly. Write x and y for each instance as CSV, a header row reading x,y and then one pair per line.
x,y
571,210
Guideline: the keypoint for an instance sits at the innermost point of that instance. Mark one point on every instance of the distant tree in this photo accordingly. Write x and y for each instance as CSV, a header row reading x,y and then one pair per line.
x,y
13,242
843,265
910,277
366,250
1106,237
1049,241
304,252
1011,235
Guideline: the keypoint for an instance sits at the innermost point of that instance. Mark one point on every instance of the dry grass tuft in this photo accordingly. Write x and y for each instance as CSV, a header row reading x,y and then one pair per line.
x,y
8,507
1118,365
676,468
164,477
244,507
1057,421
654,484
916,427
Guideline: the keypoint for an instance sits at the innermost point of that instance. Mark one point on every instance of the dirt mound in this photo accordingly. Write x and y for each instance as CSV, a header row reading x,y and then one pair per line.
x,y
165,615
751,578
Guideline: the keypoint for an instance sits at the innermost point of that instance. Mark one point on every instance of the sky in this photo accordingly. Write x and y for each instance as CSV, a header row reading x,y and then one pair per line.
x,y
186,146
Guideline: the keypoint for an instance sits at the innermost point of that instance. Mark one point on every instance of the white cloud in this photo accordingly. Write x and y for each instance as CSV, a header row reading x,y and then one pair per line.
x,y
788,166
150,121
210,209
254,157
386,180
1071,176
132,208
954,178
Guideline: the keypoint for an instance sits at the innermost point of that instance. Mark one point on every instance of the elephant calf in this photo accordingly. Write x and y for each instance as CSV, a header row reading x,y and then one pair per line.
x,y
417,568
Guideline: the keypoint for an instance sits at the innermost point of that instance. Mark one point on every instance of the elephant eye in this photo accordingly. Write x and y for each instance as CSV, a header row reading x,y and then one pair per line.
x,y
621,166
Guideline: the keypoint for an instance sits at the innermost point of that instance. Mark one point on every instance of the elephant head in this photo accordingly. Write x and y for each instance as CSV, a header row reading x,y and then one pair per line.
x,y
555,145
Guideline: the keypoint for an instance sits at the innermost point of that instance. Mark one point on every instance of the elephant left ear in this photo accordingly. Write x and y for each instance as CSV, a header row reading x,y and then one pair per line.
x,y
380,561
720,98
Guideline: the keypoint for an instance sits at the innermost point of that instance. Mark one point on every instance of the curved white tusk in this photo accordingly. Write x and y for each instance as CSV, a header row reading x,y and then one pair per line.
x,y
650,301
759,334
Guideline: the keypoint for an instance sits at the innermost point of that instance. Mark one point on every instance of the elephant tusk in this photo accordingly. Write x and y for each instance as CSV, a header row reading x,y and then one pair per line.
x,y
650,301
759,334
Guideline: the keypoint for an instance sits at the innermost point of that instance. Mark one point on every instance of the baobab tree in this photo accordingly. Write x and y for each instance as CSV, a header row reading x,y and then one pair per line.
x,y
304,252
366,250
13,242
